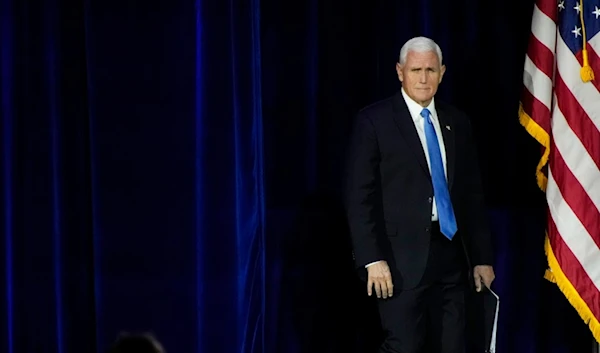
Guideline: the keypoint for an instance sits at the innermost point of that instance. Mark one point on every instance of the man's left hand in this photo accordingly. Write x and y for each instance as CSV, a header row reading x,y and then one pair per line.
x,y
483,274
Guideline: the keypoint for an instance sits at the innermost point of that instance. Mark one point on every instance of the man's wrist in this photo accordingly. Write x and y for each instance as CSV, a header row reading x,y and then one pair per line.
x,y
372,263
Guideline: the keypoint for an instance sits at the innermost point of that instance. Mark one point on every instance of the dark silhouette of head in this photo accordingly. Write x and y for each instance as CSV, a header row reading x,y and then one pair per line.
x,y
136,343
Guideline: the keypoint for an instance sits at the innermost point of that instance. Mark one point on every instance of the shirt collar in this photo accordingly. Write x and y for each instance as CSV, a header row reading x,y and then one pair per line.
x,y
415,108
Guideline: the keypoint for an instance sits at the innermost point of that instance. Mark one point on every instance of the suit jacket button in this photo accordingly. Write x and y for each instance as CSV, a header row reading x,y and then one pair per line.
x,y
430,199
427,229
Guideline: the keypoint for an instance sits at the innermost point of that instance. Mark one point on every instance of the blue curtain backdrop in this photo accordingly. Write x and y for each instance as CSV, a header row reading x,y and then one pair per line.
x,y
174,166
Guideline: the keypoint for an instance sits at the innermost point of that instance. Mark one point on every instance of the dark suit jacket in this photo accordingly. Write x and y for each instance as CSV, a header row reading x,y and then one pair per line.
x,y
389,191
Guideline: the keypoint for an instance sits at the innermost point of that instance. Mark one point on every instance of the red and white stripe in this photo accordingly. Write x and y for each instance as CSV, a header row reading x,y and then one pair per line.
x,y
556,98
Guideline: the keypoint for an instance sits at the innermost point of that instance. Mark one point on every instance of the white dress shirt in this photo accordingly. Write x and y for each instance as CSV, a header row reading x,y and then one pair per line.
x,y
415,112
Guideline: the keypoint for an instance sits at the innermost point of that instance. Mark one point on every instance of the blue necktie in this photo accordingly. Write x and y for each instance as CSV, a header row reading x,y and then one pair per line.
x,y
440,186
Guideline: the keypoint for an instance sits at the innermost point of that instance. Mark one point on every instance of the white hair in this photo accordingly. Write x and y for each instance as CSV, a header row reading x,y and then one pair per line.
x,y
419,45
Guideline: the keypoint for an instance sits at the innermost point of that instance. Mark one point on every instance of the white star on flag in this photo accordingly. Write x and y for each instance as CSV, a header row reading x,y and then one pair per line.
x,y
596,12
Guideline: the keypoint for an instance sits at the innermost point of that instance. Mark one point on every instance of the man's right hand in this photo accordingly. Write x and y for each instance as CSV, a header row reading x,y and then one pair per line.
x,y
380,278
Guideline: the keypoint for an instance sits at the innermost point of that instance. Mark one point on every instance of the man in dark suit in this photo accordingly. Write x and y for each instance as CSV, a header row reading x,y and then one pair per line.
x,y
416,210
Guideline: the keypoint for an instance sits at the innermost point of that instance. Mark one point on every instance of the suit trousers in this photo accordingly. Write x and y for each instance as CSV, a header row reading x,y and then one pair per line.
x,y
430,318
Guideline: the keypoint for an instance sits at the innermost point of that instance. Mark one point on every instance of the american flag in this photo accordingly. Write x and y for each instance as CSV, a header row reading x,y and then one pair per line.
x,y
560,108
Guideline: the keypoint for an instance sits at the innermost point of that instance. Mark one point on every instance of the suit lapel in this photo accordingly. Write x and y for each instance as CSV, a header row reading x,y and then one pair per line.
x,y
448,133
407,129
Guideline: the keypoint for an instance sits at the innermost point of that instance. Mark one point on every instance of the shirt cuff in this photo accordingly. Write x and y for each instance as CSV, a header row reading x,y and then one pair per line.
x,y
372,263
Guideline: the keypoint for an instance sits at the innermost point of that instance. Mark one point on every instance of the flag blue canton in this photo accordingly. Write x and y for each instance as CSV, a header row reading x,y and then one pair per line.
x,y
569,23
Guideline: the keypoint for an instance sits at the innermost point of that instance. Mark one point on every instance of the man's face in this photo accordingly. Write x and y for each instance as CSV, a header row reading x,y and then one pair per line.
x,y
421,75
